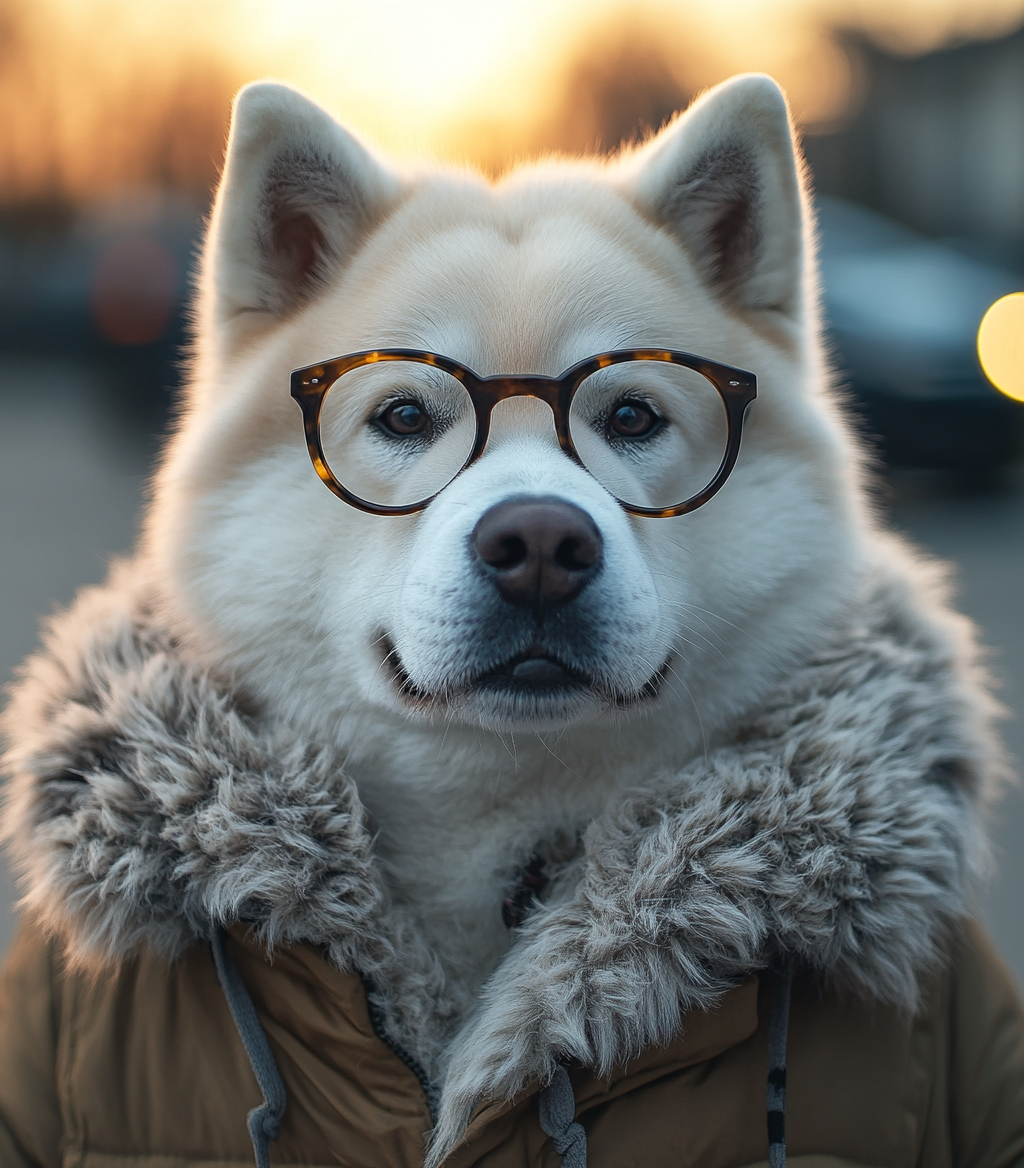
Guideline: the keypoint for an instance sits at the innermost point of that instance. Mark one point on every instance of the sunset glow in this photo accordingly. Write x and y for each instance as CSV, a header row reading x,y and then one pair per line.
x,y
422,74
113,93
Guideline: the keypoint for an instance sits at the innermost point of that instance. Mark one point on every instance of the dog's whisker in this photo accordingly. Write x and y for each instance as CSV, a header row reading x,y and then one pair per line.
x,y
696,710
383,664
707,646
572,771
708,612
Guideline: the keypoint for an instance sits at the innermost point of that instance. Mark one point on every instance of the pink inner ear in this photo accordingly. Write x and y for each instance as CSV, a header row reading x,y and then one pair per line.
x,y
298,247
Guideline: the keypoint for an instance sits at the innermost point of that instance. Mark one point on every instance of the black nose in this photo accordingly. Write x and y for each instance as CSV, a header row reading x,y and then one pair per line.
x,y
540,552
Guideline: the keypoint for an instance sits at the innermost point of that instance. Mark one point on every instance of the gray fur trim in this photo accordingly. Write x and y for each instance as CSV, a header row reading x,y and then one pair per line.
x,y
145,806
841,825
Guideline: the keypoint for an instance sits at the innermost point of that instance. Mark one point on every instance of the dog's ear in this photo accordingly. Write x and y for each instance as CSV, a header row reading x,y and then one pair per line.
x,y
724,179
297,195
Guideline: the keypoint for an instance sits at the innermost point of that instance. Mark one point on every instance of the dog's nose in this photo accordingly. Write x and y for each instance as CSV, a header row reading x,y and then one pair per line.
x,y
540,552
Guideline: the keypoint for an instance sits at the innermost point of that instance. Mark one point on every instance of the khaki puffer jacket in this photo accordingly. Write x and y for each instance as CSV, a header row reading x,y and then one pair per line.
x,y
209,934
145,1069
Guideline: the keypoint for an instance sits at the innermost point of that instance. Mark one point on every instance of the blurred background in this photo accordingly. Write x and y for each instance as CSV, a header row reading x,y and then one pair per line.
x,y
112,124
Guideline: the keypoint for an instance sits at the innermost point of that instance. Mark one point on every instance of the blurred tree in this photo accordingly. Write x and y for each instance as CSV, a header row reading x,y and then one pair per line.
x,y
622,83
90,108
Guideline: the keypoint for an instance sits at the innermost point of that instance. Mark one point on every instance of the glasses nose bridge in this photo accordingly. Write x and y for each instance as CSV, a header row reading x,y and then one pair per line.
x,y
489,391
501,387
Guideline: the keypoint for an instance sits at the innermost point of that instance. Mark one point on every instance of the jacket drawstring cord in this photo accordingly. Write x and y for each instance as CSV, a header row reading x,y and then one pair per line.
x,y
778,1033
558,1119
264,1121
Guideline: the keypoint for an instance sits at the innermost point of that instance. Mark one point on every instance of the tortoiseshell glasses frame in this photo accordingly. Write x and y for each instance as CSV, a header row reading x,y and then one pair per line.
x,y
310,385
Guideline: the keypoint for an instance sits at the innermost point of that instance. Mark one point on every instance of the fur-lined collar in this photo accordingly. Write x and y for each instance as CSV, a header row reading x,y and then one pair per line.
x,y
146,805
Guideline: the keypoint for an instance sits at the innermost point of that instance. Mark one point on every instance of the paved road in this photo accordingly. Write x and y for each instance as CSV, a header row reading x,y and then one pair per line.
x,y
983,536
71,484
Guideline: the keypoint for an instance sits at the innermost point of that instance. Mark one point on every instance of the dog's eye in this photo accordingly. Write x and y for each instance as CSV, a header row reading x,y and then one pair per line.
x,y
404,419
633,419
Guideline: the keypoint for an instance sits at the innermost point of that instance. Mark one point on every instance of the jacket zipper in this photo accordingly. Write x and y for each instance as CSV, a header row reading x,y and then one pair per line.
x,y
378,1022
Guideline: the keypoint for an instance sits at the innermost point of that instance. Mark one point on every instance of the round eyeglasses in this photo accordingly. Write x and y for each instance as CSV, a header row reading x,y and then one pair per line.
x,y
389,429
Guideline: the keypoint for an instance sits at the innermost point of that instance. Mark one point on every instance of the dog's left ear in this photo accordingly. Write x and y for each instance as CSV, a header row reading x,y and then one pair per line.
x,y
723,178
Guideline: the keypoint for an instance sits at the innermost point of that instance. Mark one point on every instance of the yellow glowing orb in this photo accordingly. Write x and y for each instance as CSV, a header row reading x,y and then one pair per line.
x,y
1001,345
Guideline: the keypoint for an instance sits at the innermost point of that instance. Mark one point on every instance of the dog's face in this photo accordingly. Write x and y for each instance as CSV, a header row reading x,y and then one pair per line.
x,y
524,596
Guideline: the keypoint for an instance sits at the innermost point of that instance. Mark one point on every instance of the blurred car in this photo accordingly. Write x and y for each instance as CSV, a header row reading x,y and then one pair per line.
x,y
107,284
903,313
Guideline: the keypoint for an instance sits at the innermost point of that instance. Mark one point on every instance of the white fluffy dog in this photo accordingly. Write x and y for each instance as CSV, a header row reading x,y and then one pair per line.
x,y
378,633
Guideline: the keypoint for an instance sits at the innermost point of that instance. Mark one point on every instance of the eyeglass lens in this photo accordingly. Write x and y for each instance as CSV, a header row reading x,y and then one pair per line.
x,y
652,433
396,432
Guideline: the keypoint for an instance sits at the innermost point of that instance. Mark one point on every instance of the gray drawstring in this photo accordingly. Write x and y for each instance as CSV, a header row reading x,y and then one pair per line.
x,y
558,1119
265,1120
778,1032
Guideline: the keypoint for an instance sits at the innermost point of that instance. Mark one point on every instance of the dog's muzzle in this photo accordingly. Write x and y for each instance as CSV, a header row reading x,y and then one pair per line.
x,y
532,648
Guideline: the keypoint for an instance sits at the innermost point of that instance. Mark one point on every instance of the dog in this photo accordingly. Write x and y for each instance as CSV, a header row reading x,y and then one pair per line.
x,y
380,635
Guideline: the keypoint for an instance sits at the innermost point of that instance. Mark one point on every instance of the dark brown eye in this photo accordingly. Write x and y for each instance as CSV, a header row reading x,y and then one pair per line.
x,y
631,419
404,419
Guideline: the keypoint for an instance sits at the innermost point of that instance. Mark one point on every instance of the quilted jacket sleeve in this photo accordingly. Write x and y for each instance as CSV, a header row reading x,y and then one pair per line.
x,y
30,1122
987,1058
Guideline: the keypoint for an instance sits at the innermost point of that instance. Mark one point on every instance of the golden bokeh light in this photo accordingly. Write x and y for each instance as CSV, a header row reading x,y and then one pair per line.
x,y
1001,345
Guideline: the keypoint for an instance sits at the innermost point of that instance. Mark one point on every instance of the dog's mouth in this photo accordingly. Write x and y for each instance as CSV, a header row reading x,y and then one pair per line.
x,y
535,685
533,671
